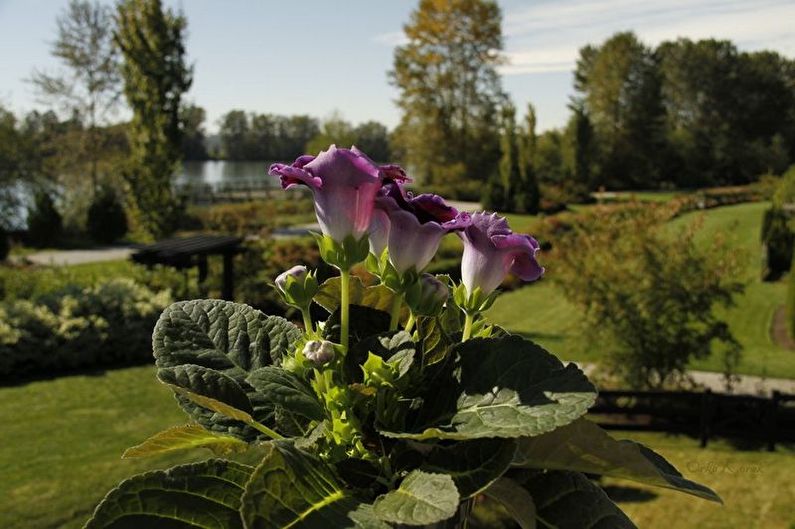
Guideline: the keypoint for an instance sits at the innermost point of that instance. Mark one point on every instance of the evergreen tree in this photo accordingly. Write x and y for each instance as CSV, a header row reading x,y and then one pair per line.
x,y
528,197
155,78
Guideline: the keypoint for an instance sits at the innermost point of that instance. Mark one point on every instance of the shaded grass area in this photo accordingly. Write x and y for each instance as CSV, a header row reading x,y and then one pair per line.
x,y
542,313
61,441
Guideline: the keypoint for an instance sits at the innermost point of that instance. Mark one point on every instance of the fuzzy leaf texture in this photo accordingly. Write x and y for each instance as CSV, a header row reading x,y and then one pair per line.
x,y
202,495
293,489
509,387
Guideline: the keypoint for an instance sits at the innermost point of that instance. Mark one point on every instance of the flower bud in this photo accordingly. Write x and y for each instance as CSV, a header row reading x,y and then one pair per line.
x,y
297,286
427,296
319,352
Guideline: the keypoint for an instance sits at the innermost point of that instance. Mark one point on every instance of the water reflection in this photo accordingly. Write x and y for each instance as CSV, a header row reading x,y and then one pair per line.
x,y
219,172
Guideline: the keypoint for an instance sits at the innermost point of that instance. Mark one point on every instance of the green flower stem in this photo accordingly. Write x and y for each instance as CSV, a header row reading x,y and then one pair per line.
x,y
307,320
397,304
267,431
411,322
345,294
469,319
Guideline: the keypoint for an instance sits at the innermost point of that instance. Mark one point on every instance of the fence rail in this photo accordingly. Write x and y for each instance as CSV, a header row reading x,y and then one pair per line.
x,y
768,420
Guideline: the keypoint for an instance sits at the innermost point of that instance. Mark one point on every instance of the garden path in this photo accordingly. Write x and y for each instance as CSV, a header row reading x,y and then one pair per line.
x,y
75,257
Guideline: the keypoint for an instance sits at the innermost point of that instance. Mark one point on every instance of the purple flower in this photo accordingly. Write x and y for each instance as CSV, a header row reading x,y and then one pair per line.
x,y
319,352
298,273
491,250
344,183
412,227
427,296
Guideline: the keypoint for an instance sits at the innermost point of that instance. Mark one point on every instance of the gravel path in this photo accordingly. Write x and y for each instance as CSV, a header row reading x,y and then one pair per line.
x,y
74,257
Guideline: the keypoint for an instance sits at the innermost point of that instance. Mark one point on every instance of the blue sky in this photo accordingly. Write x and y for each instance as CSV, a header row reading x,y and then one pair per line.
x,y
320,56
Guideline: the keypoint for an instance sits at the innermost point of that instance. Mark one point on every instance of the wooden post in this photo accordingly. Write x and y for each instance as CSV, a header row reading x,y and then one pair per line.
x,y
772,421
228,288
201,262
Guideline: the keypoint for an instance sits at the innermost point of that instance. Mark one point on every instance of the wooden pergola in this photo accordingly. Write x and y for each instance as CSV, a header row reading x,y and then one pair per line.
x,y
187,252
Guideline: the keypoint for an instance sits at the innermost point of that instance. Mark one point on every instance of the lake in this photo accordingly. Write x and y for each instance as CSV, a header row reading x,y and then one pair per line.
x,y
221,173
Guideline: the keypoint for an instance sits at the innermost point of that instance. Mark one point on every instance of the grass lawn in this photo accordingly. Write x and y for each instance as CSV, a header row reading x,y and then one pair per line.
x,y
541,313
61,441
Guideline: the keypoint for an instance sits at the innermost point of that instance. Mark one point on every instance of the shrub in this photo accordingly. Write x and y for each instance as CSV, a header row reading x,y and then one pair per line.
x,y
777,240
107,221
45,225
106,324
254,218
791,305
650,293
5,245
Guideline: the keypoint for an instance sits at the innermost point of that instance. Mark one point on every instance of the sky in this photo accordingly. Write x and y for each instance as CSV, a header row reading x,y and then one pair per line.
x,y
319,56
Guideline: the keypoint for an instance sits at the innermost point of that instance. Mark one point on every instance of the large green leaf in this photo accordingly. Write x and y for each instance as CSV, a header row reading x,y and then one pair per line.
x,y
185,437
421,499
207,382
293,489
584,447
569,500
364,322
230,338
473,465
509,387
376,297
221,335
516,500
287,391
200,495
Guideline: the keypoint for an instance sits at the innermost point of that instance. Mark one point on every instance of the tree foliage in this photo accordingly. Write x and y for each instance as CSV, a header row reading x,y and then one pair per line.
x,y
88,86
155,78
449,90
651,291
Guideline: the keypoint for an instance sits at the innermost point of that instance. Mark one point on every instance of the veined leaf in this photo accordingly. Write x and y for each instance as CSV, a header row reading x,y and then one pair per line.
x,y
583,446
286,390
473,465
376,297
421,499
510,387
229,337
186,437
569,500
225,410
205,495
293,489
207,382
516,500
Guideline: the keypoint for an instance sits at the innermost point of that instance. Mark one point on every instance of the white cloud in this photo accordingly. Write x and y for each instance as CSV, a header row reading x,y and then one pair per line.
x,y
547,36
391,38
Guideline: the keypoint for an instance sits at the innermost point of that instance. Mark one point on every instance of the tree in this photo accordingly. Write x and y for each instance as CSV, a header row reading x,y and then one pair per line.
x,y
649,295
234,132
155,78
372,137
620,90
334,130
193,147
89,86
529,198
449,89
45,225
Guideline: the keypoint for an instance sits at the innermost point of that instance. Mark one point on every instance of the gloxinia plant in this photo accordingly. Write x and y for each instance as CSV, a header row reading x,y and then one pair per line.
x,y
405,407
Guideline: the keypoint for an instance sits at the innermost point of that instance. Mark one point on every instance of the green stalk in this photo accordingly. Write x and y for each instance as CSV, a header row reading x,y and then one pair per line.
x,y
397,304
468,327
307,320
345,295
411,322
267,431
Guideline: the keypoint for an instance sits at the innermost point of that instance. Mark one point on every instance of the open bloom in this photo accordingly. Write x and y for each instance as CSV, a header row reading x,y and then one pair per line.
x,y
344,183
411,227
491,250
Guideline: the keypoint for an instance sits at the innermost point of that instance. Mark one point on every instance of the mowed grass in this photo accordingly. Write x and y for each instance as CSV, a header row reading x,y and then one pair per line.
x,y
542,313
61,441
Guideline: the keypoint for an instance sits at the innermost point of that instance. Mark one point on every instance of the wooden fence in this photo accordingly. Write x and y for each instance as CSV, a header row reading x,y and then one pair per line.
x,y
702,414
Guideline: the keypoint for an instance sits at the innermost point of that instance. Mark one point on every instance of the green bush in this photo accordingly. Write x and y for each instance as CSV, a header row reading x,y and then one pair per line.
x,y
5,245
45,225
107,221
778,239
791,305
110,323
